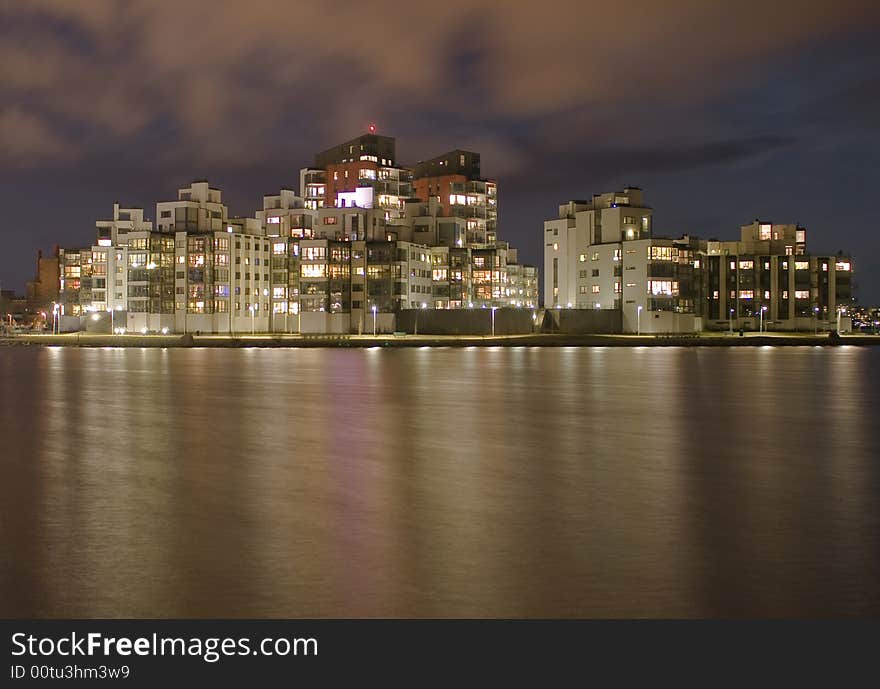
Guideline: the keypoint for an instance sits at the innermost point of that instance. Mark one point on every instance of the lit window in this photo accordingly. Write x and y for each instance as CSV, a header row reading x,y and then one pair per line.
x,y
664,287
746,265
595,289
582,258
802,294
746,294
766,231
801,265
555,246
842,266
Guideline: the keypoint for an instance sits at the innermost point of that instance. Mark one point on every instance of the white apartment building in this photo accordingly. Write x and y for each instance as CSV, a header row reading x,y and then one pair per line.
x,y
114,232
601,255
198,208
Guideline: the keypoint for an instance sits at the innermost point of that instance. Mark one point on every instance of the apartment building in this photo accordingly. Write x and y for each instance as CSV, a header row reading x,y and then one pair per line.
x,y
602,255
453,180
359,173
347,253
767,279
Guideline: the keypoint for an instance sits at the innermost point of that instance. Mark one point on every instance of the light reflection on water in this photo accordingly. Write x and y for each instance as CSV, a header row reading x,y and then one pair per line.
x,y
439,482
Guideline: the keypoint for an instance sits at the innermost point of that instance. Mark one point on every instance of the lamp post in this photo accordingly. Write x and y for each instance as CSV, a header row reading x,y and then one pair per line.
x,y
730,320
840,310
268,305
761,326
493,320
54,318
112,322
639,320
374,320
253,319
815,320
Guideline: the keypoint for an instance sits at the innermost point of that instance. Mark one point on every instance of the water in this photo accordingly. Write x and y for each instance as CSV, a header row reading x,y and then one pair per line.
x,y
440,482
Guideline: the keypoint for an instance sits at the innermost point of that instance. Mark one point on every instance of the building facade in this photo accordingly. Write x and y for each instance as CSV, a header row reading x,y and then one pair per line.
x,y
347,253
602,255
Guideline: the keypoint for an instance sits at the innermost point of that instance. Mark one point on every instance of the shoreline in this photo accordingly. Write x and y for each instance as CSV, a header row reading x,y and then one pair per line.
x,y
394,341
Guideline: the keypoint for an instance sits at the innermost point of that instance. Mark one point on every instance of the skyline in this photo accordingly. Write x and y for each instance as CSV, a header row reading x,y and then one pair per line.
x,y
790,134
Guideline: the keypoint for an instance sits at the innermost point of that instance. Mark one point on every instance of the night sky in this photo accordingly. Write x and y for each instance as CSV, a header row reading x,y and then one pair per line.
x,y
722,112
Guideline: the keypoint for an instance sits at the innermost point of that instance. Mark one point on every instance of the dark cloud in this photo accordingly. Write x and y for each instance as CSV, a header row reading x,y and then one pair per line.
x,y
127,100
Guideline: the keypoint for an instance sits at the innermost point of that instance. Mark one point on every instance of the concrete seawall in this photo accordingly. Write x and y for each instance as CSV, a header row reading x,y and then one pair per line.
x,y
361,341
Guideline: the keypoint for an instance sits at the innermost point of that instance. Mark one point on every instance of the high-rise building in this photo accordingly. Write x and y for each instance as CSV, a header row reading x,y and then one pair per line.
x,y
453,180
359,173
354,248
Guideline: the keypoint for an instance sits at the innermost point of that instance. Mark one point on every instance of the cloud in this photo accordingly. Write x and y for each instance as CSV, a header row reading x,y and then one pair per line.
x,y
225,77
27,139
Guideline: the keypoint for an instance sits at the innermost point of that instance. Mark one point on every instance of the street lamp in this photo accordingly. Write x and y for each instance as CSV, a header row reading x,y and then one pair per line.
x,y
639,320
730,320
54,318
840,310
374,320
761,326
815,320
268,305
253,319
493,320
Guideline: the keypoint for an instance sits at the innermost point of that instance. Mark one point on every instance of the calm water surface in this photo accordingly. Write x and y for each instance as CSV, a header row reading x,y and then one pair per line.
x,y
439,482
